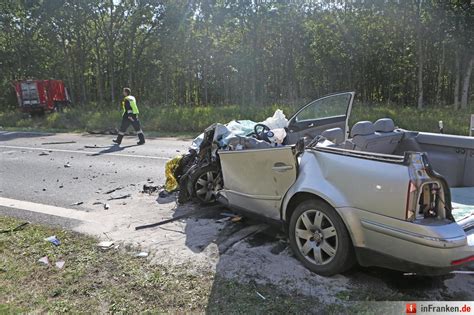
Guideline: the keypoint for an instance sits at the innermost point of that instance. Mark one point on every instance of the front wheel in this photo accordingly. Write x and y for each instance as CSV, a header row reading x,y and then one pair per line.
x,y
205,182
319,238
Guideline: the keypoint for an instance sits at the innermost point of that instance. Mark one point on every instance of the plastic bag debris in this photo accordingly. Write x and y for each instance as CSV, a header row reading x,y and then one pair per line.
x,y
105,244
54,240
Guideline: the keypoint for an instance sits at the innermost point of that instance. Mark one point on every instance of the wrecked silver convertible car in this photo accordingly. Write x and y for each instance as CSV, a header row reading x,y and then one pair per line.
x,y
376,195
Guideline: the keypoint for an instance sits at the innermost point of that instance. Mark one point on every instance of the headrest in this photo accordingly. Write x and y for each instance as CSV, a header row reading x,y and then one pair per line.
x,y
362,128
384,125
335,135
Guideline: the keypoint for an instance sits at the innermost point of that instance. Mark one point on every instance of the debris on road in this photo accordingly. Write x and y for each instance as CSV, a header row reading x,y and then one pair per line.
x,y
59,142
17,228
60,264
149,189
44,260
67,165
61,186
142,254
223,220
263,298
123,196
237,218
179,217
105,244
53,240
43,153
106,206
77,203
112,190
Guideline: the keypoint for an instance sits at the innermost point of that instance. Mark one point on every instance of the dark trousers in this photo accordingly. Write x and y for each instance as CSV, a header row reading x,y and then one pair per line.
x,y
126,122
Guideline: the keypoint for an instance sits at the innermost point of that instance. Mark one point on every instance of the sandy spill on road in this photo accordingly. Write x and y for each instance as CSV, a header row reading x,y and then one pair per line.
x,y
251,252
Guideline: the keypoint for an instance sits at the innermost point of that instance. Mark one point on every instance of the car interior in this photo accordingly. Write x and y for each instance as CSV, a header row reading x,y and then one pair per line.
x,y
451,156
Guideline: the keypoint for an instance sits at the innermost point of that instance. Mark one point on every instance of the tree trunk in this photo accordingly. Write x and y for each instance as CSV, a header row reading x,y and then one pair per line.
x,y
465,85
420,56
457,82
439,86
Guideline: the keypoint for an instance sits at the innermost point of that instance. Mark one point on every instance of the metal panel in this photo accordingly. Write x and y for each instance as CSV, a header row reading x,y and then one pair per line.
x,y
257,180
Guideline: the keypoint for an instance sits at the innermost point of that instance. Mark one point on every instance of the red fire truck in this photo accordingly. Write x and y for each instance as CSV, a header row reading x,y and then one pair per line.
x,y
39,96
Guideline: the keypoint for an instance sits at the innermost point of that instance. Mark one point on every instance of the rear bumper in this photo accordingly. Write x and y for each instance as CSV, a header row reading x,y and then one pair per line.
x,y
426,248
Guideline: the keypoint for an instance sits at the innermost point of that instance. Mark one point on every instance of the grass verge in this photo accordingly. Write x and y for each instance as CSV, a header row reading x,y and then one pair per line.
x,y
97,281
179,120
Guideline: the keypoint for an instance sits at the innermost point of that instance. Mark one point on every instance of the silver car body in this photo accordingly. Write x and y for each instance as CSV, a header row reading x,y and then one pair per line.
x,y
368,190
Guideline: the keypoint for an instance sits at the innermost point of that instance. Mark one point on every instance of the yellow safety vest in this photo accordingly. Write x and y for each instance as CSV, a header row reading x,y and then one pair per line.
x,y
133,104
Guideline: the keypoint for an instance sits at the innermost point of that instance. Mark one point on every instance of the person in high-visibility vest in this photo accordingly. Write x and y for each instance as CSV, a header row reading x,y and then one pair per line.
x,y
129,117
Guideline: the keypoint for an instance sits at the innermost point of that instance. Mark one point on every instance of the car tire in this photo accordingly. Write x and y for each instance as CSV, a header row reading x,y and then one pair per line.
x,y
319,238
204,182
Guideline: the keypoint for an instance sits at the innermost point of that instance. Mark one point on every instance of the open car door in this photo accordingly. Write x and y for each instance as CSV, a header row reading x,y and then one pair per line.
x,y
324,113
257,180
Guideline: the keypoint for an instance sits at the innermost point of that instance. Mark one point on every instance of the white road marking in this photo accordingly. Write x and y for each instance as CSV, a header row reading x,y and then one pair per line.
x,y
86,152
45,209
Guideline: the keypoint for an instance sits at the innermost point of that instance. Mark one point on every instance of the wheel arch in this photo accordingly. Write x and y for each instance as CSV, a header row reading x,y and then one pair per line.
x,y
302,196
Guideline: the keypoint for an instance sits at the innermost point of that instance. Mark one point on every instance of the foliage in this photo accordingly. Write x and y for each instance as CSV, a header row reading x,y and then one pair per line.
x,y
241,52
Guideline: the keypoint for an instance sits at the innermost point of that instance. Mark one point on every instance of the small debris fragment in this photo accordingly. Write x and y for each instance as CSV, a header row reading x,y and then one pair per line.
x,y
97,203
58,142
112,190
77,203
263,298
17,228
75,178
67,165
44,260
106,206
149,189
142,254
54,240
60,264
105,244
120,197
223,220
237,218
61,186
44,189
43,153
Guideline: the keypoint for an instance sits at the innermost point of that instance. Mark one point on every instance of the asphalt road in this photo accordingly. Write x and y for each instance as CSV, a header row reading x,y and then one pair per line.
x,y
43,168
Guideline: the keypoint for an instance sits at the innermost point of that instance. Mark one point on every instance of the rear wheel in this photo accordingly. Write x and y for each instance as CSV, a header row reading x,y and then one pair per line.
x,y
319,238
205,182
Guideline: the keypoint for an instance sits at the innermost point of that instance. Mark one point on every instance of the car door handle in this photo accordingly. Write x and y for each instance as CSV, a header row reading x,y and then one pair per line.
x,y
281,167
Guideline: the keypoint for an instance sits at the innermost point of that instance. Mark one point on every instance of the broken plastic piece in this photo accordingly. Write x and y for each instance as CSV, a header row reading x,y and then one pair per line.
x,y
60,264
54,240
44,260
105,244
263,298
